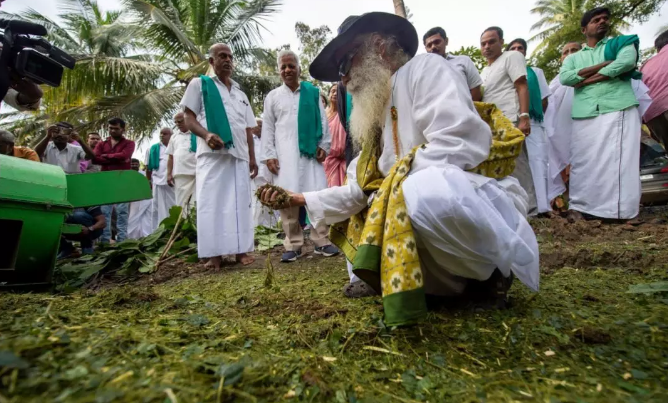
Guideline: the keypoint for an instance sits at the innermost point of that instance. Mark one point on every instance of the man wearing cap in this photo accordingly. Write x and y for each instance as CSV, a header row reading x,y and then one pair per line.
x,y
7,147
295,142
435,41
429,226
605,143
218,112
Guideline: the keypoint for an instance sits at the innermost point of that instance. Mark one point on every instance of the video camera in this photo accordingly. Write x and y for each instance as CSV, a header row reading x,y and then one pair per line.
x,y
30,57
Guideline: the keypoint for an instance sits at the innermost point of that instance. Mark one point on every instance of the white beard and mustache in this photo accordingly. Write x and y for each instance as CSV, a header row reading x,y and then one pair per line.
x,y
370,86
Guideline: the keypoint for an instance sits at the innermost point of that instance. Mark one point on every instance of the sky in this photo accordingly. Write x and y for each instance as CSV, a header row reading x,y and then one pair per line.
x,y
462,20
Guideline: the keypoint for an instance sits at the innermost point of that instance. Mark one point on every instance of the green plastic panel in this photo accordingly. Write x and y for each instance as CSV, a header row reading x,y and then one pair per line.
x,y
32,182
101,188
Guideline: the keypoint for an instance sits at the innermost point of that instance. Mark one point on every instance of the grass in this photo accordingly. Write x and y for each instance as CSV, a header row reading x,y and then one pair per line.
x,y
226,336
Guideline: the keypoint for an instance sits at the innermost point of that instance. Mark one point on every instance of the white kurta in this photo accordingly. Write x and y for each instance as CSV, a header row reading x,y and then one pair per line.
x,y
262,216
183,169
163,194
537,150
224,218
140,219
466,225
280,140
559,125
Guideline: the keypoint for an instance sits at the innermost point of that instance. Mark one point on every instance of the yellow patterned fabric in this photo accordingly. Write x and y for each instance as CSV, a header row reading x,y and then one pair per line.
x,y
380,241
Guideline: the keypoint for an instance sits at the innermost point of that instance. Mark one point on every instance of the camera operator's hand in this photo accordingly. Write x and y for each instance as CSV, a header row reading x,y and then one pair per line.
x,y
29,92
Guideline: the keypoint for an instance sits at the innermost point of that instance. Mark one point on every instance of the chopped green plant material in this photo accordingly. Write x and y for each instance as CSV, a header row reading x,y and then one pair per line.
x,y
235,336
267,238
282,198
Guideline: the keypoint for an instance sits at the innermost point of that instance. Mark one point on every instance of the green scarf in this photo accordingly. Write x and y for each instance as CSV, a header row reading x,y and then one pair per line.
x,y
535,100
349,109
193,143
216,116
309,121
154,158
614,45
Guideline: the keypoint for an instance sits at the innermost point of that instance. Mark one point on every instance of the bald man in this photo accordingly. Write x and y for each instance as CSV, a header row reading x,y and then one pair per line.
x,y
182,163
218,112
156,172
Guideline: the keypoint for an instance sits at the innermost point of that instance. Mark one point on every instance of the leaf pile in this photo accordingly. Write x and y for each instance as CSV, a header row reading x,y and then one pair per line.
x,y
281,199
131,257
266,238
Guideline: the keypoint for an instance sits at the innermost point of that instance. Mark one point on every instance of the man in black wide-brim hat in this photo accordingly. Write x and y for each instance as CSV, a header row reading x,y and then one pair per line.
x,y
411,220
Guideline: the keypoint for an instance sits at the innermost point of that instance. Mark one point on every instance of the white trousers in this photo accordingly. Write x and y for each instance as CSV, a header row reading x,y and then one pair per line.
x,y
605,165
224,217
537,150
163,200
184,187
140,219
466,226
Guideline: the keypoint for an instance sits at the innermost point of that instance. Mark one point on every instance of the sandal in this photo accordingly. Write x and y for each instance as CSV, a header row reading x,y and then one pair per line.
x,y
358,289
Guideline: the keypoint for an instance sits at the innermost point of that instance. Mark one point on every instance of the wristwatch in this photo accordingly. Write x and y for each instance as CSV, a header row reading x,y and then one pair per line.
x,y
524,115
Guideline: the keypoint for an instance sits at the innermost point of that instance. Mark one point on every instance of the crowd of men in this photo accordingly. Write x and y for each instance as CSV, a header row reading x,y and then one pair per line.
x,y
389,107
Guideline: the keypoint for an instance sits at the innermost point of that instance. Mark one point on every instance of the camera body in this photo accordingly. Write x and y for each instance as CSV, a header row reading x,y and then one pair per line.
x,y
28,55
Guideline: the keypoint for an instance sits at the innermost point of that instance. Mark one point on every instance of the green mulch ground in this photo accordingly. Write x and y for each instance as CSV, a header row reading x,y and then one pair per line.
x,y
189,335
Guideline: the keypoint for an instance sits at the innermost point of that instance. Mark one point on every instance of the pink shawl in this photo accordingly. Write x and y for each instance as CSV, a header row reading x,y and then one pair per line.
x,y
335,163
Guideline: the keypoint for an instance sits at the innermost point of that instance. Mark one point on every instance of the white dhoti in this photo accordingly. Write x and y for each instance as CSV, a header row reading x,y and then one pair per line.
x,y
262,215
184,188
224,218
466,226
140,219
537,150
605,165
163,200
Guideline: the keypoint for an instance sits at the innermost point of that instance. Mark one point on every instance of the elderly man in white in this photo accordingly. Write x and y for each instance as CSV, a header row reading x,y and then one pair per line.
x,y
182,164
468,229
295,142
156,172
220,115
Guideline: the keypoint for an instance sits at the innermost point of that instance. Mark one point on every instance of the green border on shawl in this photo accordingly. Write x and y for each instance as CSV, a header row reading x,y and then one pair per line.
x,y
367,258
340,239
405,308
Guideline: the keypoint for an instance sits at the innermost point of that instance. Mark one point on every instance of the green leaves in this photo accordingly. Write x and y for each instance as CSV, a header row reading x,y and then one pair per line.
x,y
267,238
649,288
10,360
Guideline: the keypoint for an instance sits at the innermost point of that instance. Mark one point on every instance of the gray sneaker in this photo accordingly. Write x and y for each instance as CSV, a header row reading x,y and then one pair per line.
x,y
327,251
291,256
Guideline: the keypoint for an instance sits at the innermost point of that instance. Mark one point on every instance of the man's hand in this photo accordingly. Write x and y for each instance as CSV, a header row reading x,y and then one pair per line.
x,y
524,125
85,231
74,136
29,92
214,141
269,196
170,180
320,155
51,131
253,168
273,166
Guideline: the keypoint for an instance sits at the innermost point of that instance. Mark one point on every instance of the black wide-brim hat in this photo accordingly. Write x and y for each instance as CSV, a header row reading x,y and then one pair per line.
x,y
325,67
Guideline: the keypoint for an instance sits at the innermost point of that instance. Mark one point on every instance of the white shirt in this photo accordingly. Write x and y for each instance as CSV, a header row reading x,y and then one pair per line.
x,y
159,177
545,91
500,80
434,107
68,158
465,65
185,161
239,114
280,140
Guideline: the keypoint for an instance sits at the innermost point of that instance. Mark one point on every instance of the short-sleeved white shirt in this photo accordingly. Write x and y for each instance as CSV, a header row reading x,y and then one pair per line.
x,y
239,113
465,65
499,86
159,176
542,83
68,158
184,159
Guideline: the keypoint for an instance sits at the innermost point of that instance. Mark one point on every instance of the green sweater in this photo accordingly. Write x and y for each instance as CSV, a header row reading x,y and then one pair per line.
x,y
604,97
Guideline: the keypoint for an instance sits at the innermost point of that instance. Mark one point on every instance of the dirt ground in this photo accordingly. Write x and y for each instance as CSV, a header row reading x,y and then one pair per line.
x,y
187,334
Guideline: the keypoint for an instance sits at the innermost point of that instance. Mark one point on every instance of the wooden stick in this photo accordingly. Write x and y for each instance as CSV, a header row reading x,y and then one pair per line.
x,y
170,242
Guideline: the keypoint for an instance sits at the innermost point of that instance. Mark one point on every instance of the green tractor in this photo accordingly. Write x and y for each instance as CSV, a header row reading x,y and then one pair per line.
x,y
35,198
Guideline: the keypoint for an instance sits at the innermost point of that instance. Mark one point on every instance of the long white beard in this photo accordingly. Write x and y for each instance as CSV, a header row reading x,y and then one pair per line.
x,y
370,86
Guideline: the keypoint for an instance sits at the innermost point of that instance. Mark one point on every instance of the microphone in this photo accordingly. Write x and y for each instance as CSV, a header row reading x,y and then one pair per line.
x,y
23,27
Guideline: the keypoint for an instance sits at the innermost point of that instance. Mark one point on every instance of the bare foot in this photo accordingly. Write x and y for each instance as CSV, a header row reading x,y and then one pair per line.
x,y
214,263
244,259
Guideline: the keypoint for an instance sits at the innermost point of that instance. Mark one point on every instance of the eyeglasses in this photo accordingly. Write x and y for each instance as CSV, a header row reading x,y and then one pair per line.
x,y
347,62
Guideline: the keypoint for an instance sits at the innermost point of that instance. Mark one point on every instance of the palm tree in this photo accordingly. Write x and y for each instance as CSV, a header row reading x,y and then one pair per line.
x,y
135,63
399,8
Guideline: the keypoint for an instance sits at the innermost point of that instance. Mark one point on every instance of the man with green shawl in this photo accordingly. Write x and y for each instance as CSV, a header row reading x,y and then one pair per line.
x,y
156,171
417,216
218,112
537,144
605,144
295,142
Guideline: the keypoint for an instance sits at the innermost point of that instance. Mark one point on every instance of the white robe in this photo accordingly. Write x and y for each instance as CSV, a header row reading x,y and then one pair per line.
x,y
140,219
280,140
262,215
224,217
164,197
466,225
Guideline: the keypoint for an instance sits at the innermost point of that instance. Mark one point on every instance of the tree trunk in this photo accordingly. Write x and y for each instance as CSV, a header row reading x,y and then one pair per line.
x,y
399,8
